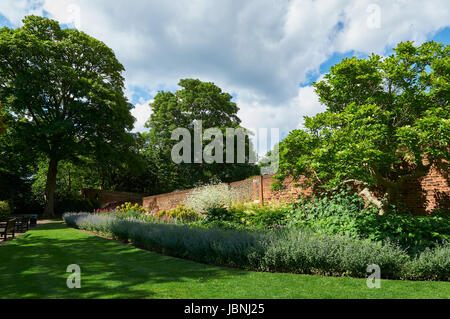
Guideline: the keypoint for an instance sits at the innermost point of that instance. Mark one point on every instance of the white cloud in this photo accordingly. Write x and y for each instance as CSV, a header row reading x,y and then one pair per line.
x,y
260,50
15,10
141,112
399,20
256,114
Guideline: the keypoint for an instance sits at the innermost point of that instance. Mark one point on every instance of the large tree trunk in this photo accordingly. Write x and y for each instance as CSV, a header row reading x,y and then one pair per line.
x,y
50,188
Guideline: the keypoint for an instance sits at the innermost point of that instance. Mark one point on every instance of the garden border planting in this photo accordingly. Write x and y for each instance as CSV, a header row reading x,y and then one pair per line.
x,y
280,250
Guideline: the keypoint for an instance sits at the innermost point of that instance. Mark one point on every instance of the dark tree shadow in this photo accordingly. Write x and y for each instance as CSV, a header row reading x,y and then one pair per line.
x,y
442,198
414,198
34,266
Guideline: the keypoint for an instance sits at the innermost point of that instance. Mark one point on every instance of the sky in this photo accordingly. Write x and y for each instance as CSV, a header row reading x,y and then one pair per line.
x,y
266,53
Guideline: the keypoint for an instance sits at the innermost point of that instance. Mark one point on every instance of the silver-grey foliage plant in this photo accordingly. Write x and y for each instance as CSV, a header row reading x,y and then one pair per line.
x,y
281,250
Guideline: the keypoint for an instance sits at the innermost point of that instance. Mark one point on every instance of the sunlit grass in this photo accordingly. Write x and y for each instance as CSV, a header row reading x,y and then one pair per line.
x,y
34,266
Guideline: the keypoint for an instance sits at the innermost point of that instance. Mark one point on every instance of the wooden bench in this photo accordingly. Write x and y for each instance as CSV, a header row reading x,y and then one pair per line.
x,y
7,228
22,224
33,220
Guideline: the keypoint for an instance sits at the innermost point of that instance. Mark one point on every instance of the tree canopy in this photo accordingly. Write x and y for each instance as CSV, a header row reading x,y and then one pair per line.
x,y
387,122
65,93
195,101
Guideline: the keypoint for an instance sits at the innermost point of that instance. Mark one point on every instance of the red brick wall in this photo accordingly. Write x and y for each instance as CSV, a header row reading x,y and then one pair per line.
x,y
289,193
164,201
248,190
421,197
108,197
428,193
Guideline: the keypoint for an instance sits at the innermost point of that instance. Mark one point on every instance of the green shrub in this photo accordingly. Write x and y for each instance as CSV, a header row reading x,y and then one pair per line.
x,y
283,250
248,215
267,216
291,250
346,214
130,214
336,214
181,213
5,211
431,264
220,224
412,232
220,214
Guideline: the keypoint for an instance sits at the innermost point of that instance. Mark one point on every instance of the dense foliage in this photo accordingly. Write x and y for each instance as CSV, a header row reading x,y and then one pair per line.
x,y
5,211
181,213
247,216
285,250
347,214
16,167
387,123
64,93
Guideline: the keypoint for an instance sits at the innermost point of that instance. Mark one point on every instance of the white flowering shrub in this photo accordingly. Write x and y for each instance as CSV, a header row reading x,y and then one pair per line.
x,y
211,196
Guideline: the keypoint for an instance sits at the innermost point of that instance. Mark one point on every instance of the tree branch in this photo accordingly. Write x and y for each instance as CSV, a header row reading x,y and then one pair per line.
x,y
372,199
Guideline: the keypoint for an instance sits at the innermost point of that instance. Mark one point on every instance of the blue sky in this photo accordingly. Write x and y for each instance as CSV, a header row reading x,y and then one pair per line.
x,y
5,22
442,36
265,53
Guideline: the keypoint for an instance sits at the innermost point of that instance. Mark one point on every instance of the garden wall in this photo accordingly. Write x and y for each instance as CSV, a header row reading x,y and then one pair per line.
x,y
428,193
421,196
257,189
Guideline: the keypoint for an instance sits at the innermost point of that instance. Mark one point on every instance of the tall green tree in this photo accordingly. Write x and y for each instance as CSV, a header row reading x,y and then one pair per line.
x,y
2,121
387,123
16,166
65,91
195,101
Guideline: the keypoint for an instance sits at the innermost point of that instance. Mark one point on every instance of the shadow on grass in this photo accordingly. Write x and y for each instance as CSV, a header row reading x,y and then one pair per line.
x,y
34,266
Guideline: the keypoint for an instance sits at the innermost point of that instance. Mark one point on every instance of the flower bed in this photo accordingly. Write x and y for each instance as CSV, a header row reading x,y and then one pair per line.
x,y
283,250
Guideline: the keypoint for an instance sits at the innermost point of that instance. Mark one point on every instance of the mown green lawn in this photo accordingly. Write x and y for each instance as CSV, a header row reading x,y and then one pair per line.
x,y
34,266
